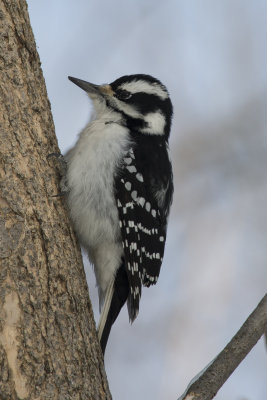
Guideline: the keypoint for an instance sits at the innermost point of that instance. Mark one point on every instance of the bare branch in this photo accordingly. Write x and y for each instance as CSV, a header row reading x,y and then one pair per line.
x,y
207,383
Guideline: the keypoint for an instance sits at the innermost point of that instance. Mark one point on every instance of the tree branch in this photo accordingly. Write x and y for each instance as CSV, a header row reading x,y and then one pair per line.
x,y
207,383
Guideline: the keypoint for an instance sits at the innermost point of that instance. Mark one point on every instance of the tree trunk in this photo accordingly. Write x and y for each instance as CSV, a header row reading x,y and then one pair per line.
x,y
48,343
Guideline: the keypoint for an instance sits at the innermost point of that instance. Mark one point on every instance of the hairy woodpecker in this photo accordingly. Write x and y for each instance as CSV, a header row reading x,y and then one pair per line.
x,y
119,188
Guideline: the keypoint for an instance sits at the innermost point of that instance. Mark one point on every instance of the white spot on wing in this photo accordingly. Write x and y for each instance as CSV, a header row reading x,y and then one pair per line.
x,y
139,177
131,168
127,160
148,206
128,185
131,153
134,195
141,201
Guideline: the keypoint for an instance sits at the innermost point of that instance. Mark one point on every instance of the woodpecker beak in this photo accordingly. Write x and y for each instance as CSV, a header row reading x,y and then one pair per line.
x,y
91,88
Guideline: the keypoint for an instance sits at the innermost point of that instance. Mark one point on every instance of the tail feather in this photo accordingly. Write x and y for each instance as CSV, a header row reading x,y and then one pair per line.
x,y
115,298
105,309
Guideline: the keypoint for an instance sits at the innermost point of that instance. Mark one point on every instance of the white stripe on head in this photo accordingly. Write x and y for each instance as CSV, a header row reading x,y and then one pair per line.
x,y
155,123
127,108
145,87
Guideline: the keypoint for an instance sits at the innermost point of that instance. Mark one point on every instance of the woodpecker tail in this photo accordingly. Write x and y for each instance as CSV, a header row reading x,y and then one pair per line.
x,y
115,298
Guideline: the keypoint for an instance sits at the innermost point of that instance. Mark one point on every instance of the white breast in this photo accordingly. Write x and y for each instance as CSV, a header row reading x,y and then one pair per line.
x,y
90,178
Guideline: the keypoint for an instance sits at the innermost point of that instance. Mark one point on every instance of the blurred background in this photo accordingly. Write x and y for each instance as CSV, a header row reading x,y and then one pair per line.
x,y
212,56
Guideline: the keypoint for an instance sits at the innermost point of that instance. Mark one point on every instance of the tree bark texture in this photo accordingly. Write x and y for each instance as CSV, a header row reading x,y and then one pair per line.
x,y
48,343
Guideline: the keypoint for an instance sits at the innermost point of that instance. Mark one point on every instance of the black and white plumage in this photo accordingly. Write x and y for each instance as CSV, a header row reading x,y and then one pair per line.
x,y
119,189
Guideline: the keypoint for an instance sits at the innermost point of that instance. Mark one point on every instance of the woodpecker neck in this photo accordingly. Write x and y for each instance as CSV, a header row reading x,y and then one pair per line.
x,y
105,114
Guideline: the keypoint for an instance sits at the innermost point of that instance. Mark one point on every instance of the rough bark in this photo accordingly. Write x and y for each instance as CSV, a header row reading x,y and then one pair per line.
x,y
48,343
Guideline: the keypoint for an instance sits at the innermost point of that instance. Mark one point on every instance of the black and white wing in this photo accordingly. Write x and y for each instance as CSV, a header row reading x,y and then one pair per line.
x,y
143,211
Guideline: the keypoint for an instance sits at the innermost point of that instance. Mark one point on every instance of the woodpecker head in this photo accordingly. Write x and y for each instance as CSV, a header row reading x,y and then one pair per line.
x,y
140,101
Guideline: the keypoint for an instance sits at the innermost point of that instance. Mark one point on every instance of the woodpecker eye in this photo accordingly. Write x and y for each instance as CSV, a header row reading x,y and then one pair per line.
x,y
123,94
